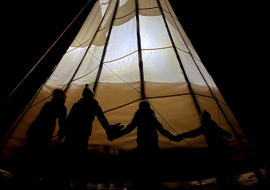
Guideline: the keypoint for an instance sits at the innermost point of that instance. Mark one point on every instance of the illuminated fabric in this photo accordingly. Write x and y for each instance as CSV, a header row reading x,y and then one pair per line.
x,y
118,88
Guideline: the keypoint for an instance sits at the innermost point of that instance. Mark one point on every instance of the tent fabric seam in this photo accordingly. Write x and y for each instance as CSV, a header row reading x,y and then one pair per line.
x,y
88,39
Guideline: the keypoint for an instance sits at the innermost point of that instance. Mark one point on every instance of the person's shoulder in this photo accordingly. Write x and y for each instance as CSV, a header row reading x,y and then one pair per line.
x,y
64,108
76,104
48,104
214,124
153,117
137,114
95,101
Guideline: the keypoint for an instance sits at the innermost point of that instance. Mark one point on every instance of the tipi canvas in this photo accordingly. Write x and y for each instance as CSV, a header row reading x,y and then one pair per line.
x,y
129,50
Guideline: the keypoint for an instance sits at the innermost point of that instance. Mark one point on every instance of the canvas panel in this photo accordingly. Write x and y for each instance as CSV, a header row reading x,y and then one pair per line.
x,y
89,28
216,93
71,60
210,81
191,69
66,67
187,41
161,68
120,94
124,19
122,70
114,95
125,12
166,6
101,36
87,72
117,84
197,80
109,12
161,89
153,32
161,65
147,4
103,6
123,41
176,36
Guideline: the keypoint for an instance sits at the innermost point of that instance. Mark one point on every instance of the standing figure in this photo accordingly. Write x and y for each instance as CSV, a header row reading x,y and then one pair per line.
x,y
79,129
41,131
147,146
218,145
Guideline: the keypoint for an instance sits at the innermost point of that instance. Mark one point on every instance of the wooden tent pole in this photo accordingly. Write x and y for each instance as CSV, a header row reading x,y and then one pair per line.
x,y
179,60
140,51
237,136
105,48
255,170
66,89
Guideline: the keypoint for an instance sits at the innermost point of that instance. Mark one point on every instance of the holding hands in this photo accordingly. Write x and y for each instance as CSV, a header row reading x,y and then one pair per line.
x,y
178,138
113,130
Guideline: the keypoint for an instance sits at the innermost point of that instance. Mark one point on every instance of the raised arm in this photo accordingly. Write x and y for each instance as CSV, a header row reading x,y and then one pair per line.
x,y
110,129
101,117
192,133
130,127
164,132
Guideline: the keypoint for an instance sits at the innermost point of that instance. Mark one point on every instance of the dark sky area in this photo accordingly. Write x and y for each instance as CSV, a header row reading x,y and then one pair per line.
x,y
227,37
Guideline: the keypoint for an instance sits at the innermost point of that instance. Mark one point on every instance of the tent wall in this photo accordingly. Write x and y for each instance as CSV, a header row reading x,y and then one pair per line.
x,y
118,87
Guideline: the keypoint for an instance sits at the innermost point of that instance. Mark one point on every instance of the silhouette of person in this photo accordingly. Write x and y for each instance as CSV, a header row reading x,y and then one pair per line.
x,y
147,145
218,145
79,129
41,131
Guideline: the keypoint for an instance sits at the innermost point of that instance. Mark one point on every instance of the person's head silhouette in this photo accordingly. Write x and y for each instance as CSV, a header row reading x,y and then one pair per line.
x,y
88,92
205,116
59,95
144,105
145,109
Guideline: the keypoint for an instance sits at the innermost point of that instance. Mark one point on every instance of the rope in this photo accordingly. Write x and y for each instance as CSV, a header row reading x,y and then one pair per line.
x,y
45,53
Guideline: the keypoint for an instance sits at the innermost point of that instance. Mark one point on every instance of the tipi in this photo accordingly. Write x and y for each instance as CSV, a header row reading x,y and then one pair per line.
x,y
128,50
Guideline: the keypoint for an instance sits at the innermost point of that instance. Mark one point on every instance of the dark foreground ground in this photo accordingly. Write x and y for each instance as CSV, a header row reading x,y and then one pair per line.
x,y
246,181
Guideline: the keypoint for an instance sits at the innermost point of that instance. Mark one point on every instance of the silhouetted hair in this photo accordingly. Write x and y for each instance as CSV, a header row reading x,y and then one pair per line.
x,y
144,108
59,94
88,91
144,105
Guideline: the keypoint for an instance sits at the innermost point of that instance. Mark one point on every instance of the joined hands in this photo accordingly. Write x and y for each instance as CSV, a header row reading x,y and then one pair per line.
x,y
112,130
178,138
